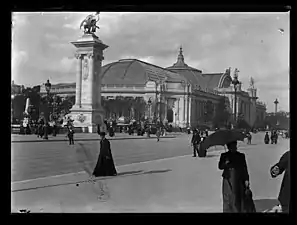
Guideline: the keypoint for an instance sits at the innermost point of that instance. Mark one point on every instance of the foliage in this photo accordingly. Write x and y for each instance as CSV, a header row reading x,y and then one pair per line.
x,y
280,118
242,123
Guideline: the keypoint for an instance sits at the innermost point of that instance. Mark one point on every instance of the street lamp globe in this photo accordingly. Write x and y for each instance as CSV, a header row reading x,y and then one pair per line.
x,y
235,80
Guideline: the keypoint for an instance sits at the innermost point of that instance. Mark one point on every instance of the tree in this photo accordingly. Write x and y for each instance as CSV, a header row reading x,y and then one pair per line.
x,y
280,120
222,114
241,123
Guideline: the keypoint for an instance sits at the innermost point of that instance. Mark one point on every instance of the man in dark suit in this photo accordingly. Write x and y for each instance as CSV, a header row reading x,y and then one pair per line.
x,y
195,142
235,178
277,169
105,165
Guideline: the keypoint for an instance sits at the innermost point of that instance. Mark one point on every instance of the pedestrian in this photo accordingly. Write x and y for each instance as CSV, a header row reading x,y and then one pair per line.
x,y
235,178
206,133
105,164
54,129
249,138
158,133
275,137
98,129
111,132
195,142
272,137
266,138
70,136
278,169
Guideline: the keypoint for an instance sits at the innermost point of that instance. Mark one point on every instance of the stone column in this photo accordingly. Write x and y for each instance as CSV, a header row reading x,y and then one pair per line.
x,y
91,77
178,114
78,80
166,108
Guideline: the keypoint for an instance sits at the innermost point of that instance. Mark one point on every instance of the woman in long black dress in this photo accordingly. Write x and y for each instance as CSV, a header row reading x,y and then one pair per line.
x,y
235,178
105,165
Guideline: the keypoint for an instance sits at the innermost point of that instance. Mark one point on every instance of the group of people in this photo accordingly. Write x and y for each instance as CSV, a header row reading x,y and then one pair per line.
x,y
237,196
273,137
197,138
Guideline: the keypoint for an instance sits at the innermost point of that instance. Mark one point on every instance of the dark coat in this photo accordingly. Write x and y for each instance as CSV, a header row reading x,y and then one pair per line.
x,y
234,175
284,165
105,164
237,161
196,139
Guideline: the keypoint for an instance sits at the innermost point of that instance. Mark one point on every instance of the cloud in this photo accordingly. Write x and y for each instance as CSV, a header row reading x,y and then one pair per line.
x,y
19,19
67,64
211,42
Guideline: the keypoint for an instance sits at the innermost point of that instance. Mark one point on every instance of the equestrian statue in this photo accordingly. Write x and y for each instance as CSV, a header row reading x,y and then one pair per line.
x,y
89,23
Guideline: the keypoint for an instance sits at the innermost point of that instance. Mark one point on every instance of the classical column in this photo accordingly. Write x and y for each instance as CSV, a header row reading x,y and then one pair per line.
x,y
91,77
78,80
178,116
166,108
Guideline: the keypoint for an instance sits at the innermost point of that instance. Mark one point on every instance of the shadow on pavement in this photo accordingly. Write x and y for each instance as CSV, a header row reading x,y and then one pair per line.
x,y
265,204
210,156
130,172
157,171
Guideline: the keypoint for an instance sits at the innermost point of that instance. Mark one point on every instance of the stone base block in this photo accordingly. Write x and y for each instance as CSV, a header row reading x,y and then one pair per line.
x,y
87,119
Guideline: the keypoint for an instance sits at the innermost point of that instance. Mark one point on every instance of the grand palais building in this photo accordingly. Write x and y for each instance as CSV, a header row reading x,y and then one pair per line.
x,y
179,94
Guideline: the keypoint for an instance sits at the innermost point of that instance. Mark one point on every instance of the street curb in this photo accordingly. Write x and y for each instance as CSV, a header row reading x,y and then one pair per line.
x,y
93,139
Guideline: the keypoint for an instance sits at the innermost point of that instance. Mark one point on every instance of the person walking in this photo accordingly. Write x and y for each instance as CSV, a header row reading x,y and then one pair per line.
x,y
283,166
272,137
249,138
105,164
158,133
275,137
235,178
70,136
266,138
195,142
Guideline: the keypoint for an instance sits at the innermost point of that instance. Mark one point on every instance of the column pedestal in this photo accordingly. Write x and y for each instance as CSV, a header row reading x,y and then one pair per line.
x,y
87,112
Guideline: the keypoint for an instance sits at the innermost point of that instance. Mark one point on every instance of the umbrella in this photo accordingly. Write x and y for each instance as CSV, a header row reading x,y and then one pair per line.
x,y
222,137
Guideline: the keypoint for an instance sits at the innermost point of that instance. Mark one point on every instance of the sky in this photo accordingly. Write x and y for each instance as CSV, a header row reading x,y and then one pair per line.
x,y
211,42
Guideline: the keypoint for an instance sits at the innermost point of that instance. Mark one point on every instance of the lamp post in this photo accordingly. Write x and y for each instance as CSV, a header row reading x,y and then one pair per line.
x,y
149,102
12,111
48,86
188,103
235,82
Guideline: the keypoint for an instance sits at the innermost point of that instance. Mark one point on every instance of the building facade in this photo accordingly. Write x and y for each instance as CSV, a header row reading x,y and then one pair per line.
x,y
179,94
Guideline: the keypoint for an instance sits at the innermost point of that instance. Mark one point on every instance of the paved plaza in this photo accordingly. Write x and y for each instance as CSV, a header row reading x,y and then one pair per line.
x,y
153,177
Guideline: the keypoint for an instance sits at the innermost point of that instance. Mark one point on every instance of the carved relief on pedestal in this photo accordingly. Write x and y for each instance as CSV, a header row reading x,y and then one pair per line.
x,y
85,69
81,118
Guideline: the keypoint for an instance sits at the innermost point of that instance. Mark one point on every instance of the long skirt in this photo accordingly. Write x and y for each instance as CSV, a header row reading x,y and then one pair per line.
x,y
232,196
105,167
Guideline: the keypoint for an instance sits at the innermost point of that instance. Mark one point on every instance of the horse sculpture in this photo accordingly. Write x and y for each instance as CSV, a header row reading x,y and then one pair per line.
x,y
89,23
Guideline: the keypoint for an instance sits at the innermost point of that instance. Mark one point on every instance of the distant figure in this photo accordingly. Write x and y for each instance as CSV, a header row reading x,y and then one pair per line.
x,y
272,137
275,137
189,130
111,131
206,133
278,169
105,165
98,129
70,136
195,142
158,133
249,138
266,138
235,178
